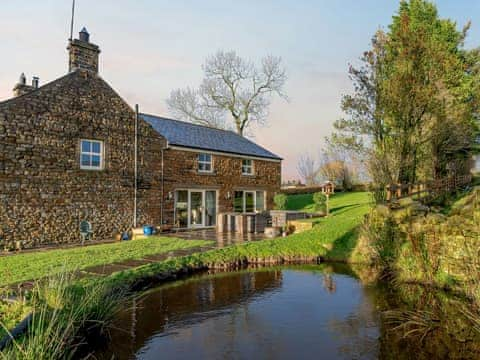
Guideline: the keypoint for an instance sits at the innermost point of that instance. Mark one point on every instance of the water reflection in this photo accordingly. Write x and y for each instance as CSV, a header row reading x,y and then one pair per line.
x,y
296,312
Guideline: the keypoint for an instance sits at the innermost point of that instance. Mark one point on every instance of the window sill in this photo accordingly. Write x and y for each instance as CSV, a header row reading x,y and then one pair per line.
x,y
91,169
206,172
249,175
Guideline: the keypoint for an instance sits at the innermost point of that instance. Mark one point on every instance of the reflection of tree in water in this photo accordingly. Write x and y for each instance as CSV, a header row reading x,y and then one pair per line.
x,y
426,324
358,331
177,305
329,283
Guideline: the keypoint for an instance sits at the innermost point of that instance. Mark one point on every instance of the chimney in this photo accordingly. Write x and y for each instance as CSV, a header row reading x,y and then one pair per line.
x,y
82,53
22,88
35,81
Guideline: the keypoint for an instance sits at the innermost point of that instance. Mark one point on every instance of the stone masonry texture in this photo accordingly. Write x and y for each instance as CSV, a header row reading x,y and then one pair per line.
x,y
43,192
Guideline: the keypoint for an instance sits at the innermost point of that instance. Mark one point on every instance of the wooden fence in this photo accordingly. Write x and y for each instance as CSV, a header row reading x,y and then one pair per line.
x,y
427,190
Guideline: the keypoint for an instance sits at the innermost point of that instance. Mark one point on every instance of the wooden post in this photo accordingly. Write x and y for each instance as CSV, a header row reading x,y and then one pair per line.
x,y
328,210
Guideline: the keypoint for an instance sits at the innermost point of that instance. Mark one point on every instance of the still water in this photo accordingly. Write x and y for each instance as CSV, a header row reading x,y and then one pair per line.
x,y
321,312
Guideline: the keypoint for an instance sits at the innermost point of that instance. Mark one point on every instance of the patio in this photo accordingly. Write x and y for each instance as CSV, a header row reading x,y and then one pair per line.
x,y
221,239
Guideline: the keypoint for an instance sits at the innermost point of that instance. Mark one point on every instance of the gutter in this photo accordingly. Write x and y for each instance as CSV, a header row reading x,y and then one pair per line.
x,y
135,169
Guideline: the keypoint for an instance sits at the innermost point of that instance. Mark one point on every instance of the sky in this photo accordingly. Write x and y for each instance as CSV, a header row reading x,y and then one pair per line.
x,y
150,47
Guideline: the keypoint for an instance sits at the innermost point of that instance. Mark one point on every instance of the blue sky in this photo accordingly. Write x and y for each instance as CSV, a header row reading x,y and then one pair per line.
x,y
151,47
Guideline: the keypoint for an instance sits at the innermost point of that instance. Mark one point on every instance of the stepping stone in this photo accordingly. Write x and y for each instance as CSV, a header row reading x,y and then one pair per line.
x,y
133,263
106,269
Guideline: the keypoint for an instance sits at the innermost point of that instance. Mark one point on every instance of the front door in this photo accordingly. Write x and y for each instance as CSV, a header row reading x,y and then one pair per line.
x,y
196,208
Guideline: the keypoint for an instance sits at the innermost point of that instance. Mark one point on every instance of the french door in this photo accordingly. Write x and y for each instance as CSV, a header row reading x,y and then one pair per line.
x,y
195,208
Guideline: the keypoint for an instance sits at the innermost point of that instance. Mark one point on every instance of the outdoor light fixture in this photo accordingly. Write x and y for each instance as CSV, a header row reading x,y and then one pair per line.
x,y
228,195
170,195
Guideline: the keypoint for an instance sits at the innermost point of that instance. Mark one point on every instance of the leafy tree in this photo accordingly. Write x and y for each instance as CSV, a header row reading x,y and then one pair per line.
x,y
320,201
415,100
280,201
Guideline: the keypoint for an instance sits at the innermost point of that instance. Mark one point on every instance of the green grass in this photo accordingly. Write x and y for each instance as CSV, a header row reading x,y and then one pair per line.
x,y
338,201
300,202
333,238
34,265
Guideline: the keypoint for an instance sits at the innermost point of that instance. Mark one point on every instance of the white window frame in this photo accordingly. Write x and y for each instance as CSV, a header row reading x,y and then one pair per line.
x,y
251,167
91,153
244,199
205,163
189,205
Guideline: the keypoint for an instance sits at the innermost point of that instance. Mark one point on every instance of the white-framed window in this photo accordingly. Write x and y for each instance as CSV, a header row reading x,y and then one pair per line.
x,y
247,167
249,201
91,154
205,162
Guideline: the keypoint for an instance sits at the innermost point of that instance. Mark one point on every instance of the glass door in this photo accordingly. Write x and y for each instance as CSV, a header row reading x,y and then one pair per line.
x,y
210,208
196,208
249,201
181,209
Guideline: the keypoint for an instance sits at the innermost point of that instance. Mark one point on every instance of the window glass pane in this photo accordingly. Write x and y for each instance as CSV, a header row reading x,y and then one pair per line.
x,y
204,167
210,208
86,146
247,166
249,201
96,160
85,160
96,147
181,209
204,162
260,205
238,201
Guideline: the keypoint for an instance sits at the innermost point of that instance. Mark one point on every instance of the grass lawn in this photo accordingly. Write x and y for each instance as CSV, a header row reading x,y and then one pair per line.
x,y
333,237
34,265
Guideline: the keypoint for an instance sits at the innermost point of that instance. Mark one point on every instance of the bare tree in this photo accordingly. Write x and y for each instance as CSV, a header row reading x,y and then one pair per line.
x,y
339,166
231,86
307,169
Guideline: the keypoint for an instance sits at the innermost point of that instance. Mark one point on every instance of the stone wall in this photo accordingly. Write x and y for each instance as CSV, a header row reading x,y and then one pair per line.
x,y
181,173
43,192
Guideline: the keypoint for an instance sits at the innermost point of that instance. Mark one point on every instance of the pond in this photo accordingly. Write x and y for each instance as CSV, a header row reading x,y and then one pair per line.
x,y
285,313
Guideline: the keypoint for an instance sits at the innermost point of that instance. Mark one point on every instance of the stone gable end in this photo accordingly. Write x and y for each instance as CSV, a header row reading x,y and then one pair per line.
x,y
43,192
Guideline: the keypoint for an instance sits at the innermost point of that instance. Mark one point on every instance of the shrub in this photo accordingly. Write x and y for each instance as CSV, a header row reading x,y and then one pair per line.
x,y
380,239
320,201
63,314
280,201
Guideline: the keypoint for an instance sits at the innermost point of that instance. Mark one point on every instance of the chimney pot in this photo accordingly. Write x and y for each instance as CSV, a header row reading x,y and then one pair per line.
x,y
23,79
21,88
35,81
84,35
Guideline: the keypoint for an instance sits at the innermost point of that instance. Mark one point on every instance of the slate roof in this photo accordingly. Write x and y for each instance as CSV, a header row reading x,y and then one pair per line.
x,y
180,133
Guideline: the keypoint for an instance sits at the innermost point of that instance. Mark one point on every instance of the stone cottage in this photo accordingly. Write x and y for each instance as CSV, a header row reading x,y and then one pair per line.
x,y
74,150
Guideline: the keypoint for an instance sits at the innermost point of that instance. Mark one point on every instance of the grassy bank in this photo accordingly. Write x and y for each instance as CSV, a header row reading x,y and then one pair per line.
x,y
35,265
439,246
332,238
